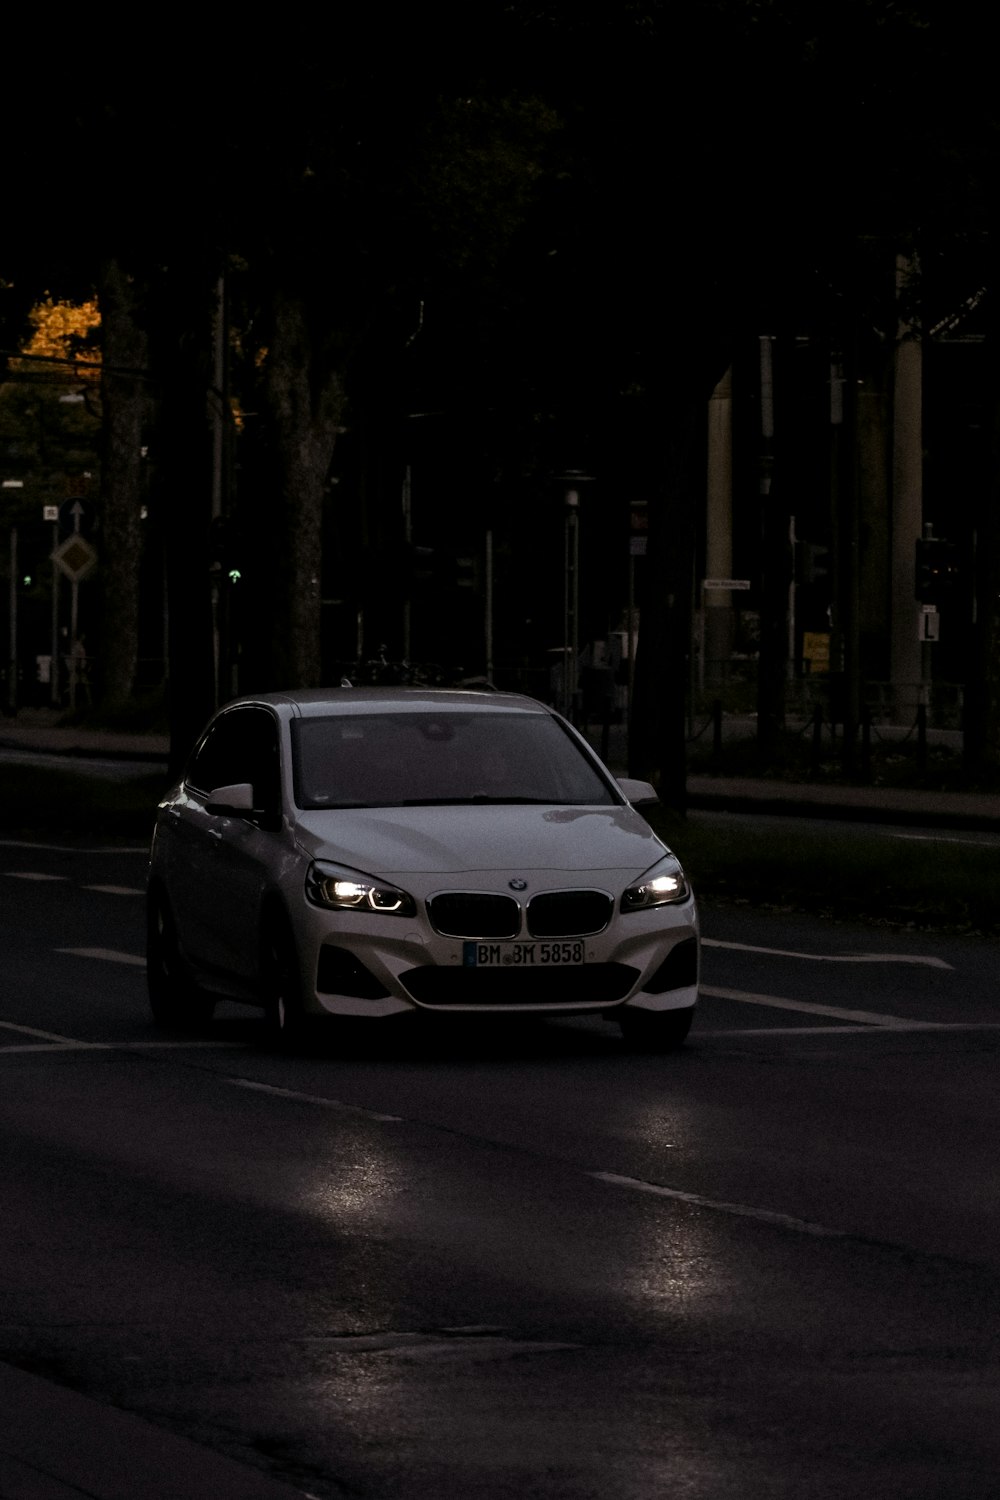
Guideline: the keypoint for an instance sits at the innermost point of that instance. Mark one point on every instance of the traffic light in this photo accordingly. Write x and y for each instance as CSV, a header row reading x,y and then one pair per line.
x,y
225,548
936,570
812,563
466,572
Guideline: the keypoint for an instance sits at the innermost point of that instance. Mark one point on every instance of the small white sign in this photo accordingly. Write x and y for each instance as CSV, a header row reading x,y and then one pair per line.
x,y
50,512
726,583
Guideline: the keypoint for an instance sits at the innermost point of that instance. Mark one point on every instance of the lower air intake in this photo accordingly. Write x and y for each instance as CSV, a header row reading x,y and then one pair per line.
x,y
592,984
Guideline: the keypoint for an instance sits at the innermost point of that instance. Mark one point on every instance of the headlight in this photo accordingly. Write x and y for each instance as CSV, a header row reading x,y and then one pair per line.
x,y
348,890
664,884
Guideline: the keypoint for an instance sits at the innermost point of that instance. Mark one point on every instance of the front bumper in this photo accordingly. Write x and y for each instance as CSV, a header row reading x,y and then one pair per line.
x,y
367,964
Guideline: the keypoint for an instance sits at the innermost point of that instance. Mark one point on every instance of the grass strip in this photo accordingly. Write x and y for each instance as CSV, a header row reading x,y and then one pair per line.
x,y
48,802
874,878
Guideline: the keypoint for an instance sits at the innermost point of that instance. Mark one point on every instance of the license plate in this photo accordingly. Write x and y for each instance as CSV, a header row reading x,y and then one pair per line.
x,y
522,955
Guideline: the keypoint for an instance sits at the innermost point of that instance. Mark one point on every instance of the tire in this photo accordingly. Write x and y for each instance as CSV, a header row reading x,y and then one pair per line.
x,y
174,998
656,1030
284,1020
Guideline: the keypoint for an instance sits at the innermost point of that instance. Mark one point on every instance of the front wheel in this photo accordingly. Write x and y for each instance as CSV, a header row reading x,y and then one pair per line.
x,y
174,998
656,1030
284,1020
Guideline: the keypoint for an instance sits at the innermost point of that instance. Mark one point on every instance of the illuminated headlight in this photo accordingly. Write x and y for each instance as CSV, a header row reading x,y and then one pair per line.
x,y
660,886
349,890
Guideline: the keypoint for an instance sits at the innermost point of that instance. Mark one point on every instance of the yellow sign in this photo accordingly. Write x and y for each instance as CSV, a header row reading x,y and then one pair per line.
x,y
816,650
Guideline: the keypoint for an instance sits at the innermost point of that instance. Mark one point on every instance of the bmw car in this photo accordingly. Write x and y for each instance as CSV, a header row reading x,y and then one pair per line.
x,y
368,852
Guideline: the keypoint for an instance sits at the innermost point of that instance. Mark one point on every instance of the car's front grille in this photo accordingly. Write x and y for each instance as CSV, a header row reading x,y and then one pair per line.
x,y
569,913
586,984
472,914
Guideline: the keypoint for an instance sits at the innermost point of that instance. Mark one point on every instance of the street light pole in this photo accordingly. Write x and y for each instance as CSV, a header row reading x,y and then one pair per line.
x,y
12,679
54,668
571,600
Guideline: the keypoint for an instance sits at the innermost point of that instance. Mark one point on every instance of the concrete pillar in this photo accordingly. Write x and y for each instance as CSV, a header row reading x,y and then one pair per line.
x,y
907,494
718,616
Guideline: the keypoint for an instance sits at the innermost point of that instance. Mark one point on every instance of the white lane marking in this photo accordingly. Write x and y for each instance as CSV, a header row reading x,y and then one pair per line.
x,y
807,1031
110,955
70,849
51,1041
104,1046
50,1047
835,1012
108,1046
31,875
353,1109
741,1210
45,1036
115,890
934,838
834,958
448,1341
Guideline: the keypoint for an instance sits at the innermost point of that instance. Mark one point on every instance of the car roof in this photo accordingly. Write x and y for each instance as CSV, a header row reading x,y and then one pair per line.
x,y
326,702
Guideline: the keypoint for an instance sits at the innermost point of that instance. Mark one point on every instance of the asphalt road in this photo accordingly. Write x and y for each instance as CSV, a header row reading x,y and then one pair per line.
x,y
520,1261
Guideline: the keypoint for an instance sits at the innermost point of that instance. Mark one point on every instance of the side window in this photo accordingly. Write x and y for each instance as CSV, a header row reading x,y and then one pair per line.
x,y
241,745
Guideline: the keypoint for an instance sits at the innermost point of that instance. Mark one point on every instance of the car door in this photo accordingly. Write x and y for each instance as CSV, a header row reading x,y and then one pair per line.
x,y
222,863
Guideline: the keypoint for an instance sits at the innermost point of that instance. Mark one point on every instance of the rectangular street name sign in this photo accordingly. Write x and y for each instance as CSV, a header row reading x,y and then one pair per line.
x,y
726,583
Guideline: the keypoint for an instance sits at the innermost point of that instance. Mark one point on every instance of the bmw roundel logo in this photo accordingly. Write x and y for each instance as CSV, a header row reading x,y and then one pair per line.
x,y
518,885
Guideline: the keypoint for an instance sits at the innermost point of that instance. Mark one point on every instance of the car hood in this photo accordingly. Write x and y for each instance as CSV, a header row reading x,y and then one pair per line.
x,y
451,840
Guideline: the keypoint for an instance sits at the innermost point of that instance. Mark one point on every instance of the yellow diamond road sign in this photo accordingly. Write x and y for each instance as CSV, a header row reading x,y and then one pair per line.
x,y
75,557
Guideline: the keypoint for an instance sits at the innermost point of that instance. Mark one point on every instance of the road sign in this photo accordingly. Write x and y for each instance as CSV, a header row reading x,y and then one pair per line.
x,y
50,512
928,623
74,557
725,583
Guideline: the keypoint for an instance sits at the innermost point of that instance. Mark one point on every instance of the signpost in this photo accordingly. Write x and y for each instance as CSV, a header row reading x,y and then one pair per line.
x,y
13,484
74,558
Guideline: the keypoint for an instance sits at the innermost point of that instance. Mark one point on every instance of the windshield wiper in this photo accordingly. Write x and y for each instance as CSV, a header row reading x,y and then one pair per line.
x,y
478,799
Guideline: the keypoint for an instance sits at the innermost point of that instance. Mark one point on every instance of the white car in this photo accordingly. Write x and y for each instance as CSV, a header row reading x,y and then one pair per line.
x,y
363,852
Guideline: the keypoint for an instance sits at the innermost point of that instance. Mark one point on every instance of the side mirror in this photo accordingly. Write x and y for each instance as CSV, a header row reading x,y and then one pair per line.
x,y
639,793
235,800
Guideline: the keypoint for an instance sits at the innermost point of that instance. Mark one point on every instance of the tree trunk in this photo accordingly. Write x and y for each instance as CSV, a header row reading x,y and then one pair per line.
x,y
181,347
658,722
124,395
303,399
775,571
982,694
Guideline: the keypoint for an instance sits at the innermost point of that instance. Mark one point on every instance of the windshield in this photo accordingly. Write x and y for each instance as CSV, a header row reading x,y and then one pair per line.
x,y
414,759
